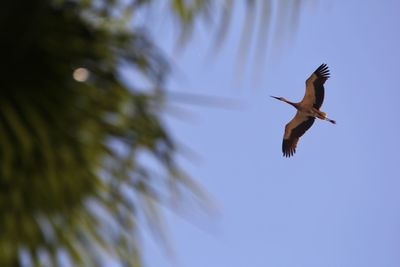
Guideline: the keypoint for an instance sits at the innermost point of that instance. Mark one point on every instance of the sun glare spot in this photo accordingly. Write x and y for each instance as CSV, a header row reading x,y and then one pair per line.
x,y
81,74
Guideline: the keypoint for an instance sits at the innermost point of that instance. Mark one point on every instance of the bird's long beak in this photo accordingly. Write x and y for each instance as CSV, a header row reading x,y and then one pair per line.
x,y
274,97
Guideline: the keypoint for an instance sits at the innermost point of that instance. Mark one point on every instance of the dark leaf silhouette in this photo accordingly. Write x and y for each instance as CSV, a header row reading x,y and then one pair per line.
x,y
72,132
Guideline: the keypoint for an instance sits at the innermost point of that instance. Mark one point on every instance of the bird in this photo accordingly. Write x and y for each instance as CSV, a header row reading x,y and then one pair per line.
x,y
307,110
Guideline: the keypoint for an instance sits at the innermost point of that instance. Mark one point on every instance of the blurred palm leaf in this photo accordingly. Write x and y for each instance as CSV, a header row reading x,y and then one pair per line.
x,y
72,182
270,19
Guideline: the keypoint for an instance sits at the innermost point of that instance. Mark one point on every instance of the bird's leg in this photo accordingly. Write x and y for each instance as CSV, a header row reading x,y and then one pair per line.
x,y
331,121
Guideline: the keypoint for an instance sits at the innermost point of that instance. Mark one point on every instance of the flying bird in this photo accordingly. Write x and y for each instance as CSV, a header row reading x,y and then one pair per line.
x,y
307,110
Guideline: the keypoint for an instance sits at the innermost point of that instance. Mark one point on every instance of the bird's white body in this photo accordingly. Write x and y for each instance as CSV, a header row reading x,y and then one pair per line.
x,y
311,112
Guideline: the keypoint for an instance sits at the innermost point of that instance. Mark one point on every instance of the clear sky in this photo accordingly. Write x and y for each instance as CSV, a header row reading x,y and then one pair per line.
x,y
336,203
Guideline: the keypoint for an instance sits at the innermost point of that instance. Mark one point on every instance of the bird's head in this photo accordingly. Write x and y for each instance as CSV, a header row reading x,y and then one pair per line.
x,y
279,98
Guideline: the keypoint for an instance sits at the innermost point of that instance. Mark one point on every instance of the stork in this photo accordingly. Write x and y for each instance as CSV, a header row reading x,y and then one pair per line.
x,y
307,110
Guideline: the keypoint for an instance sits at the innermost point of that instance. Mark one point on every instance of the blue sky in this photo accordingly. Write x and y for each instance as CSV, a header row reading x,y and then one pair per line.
x,y
336,203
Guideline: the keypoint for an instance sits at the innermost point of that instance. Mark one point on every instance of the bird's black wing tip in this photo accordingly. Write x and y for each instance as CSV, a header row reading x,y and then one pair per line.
x,y
287,148
288,154
323,71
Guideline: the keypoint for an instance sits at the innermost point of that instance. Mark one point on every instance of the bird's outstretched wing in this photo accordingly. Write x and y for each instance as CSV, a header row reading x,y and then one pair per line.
x,y
315,87
293,131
